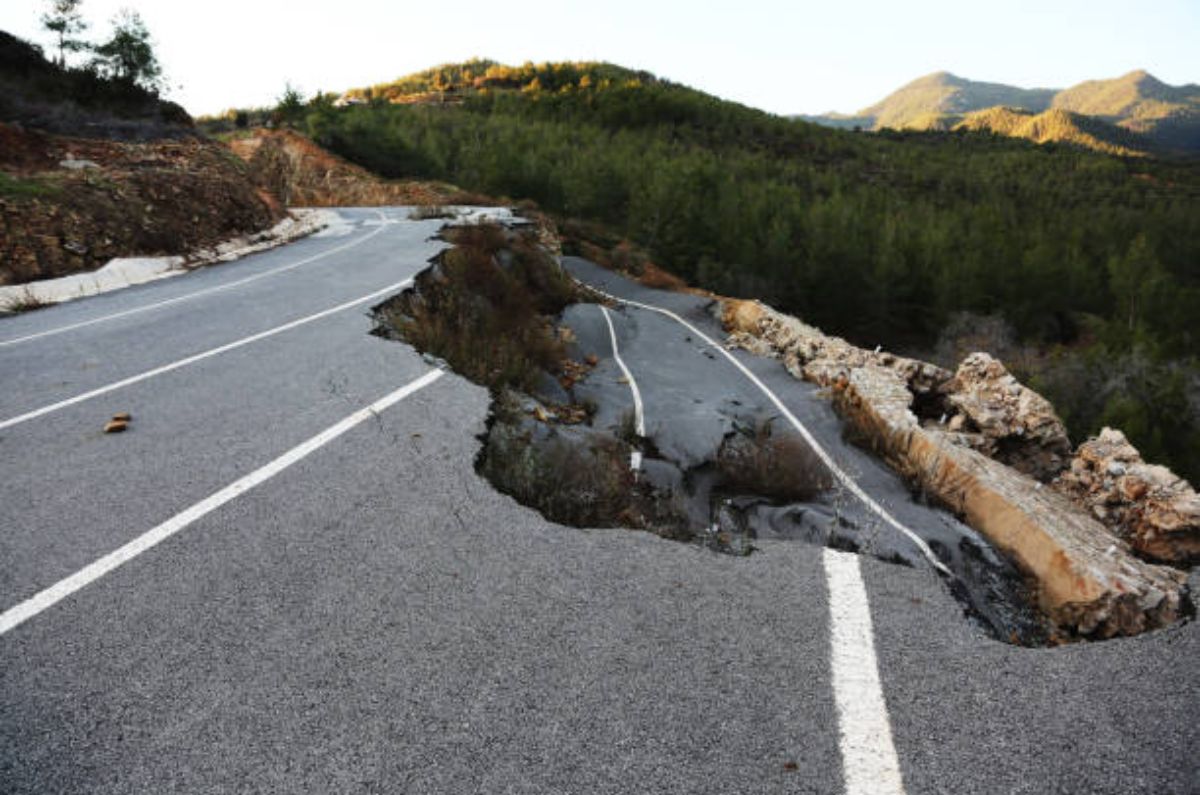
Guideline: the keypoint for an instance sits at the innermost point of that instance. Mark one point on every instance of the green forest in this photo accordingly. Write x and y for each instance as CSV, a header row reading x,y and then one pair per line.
x,y
1081,270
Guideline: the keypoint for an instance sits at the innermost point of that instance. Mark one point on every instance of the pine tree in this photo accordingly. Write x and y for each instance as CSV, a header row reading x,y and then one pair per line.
x,y
65,22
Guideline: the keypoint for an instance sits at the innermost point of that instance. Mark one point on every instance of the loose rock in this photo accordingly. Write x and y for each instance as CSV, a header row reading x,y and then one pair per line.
x,y
1149,506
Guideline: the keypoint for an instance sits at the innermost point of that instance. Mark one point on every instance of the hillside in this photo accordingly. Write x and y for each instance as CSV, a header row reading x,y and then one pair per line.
x,y
37,93
1165,117
1168,115
1078,268
92,169
1050,126
299,173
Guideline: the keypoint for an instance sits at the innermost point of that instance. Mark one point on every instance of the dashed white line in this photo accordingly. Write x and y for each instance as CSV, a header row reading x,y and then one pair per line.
x,y
869,762
51,596
166,368
207,291
639,417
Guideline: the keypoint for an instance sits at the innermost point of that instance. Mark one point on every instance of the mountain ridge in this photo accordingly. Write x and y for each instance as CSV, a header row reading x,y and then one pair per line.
x,y
1162,116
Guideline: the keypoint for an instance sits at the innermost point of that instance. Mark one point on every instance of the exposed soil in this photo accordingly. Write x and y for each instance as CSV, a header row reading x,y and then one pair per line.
x,y
71,204
302,174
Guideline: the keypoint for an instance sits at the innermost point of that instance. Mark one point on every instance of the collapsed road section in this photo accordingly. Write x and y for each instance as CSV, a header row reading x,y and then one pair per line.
x,y
606,415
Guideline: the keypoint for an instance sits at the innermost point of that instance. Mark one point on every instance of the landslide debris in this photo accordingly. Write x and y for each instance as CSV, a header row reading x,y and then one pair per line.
x,y
300,173
1154,510
499,308
981,444
489,307
71,204
562,437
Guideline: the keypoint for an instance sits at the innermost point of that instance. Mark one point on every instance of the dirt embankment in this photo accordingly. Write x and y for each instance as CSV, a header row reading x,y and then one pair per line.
x,y
71,204
302,174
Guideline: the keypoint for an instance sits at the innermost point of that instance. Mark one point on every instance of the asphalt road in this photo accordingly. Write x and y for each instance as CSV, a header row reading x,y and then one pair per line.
x,y
370,616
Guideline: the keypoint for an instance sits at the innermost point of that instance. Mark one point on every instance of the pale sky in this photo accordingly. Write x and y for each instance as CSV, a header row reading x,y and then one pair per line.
x,y
785,57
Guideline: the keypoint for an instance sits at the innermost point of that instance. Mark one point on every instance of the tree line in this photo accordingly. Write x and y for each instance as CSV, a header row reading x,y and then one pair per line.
x,y
127,55
1093,261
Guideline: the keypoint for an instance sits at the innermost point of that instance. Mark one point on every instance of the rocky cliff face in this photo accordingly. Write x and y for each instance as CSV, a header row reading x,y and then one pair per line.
x,y
985,446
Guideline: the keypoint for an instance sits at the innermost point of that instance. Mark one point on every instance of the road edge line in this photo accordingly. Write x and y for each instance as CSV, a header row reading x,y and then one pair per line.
x,y
816,446
639,413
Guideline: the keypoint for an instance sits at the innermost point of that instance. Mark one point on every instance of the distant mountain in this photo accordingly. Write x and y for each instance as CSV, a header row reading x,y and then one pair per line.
x,y
942,92
1096,113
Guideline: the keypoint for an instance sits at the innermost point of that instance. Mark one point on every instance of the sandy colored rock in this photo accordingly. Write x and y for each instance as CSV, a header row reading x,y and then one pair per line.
x,y
115,426
1017,426
1088,582
936,429
1149,506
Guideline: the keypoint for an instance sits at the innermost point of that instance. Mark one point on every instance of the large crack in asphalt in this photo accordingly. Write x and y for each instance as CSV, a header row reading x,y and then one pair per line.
x,y
717,465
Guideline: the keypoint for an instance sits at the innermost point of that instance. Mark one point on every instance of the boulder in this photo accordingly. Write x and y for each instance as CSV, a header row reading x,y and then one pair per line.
x,y
1016,425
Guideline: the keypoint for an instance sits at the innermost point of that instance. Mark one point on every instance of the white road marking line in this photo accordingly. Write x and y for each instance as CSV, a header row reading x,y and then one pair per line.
x,y
47,598
869,762
825,457
870,765
166,368
635,458
190,296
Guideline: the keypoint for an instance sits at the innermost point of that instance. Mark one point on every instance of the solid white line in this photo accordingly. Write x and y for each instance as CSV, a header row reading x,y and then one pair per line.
x,y
97,569
825,457
190,296
869,762
638,412
166,368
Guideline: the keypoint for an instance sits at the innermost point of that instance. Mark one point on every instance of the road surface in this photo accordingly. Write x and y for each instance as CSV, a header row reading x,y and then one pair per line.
x,y
310,597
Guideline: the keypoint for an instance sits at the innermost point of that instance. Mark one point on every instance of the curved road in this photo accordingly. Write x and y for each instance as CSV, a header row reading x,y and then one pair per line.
x,y
286,577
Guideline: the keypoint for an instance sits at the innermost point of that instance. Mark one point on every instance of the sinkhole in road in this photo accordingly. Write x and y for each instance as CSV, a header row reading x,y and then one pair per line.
x,y
721,471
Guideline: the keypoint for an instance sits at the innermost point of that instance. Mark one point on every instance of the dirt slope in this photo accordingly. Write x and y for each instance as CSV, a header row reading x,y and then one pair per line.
x,y
302,174
71,204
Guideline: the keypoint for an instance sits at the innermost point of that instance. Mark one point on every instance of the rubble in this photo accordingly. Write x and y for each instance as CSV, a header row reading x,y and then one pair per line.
x,y
1088,582
1016,425
1157,512
975,441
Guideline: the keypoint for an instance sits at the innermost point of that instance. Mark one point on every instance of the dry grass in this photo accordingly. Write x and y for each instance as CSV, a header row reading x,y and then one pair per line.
x,y
586,484
487,307
25,302
430,212
777,465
